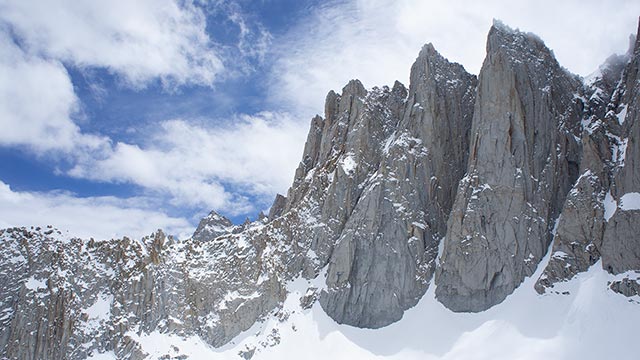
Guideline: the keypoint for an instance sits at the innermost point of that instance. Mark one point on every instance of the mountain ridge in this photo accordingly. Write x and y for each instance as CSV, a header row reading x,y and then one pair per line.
x,y
491,171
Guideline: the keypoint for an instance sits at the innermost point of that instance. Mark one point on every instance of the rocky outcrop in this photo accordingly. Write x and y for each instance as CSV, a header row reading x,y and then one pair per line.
x,y
523,159
596,222
278,207
212,226
68,298
384,257
580,229
621,248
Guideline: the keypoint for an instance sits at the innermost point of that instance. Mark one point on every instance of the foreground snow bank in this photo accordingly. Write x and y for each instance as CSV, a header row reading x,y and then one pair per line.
x,y
580,319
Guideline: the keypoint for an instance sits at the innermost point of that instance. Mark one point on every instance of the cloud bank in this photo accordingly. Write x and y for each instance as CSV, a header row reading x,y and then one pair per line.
x,y
98,217
376,41
230,167
137,40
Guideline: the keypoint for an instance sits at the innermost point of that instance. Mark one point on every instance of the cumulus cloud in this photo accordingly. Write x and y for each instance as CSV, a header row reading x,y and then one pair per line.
x,y
209,166
137,40
36,103
99,217
202,166
377,40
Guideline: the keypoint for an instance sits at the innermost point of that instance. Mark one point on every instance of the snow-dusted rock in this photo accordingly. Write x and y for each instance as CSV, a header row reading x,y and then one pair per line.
x,y
212,226
601,215
410,155
621,245
523,159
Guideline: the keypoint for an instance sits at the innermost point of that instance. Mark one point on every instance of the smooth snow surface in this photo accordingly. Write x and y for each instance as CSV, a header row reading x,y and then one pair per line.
x,y
587,322
34,284
103,356
622,115
630,201
610,206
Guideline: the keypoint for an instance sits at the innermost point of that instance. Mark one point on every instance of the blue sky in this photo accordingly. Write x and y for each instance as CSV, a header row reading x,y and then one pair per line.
x,y
118,117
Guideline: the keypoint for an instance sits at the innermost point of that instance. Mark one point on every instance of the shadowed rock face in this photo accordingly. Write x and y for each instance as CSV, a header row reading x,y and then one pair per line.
x,y
596,222
578,239
522,161
491,165
621,245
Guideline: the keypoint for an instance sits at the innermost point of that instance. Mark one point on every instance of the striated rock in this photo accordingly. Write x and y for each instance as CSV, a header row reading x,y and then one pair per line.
x,y
620,246
71,297
384,257
590,205
523,159
68,298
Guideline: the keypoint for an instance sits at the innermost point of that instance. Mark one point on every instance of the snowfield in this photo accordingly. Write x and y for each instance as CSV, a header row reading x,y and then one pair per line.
x,y
580,319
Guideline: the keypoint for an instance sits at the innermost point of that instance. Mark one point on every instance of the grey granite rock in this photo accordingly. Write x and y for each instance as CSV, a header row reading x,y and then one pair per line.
x,y
212,226
628,287
406,176
523,159
590,205
278,206
621,245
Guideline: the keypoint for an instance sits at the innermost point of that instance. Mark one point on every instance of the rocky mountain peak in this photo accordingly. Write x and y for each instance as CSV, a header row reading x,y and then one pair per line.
x,y
354,88
523,157
212,226
518,47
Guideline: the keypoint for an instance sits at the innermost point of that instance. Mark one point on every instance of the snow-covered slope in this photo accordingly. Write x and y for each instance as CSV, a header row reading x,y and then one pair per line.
x,y
580,319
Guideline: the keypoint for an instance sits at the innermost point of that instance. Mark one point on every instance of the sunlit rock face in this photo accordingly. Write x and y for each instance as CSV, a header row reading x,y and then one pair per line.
x,y
523,157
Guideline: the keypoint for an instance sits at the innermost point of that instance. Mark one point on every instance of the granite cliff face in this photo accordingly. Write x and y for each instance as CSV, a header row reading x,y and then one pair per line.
x,y
600,217
401,192
493,171
523,158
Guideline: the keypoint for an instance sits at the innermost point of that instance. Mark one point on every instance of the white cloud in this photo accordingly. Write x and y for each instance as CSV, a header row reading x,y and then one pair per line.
x,y
36,104
99,217
377,40
212,167
254,40
138,40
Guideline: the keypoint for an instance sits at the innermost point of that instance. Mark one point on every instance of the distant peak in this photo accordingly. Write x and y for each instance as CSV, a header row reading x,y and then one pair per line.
x,y
214,216
428,49
499,25
515,41
502,28
354,87
399,88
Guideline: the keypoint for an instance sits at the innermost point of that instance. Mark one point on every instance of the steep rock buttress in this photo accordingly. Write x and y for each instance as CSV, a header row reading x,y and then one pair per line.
x,y
523,158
